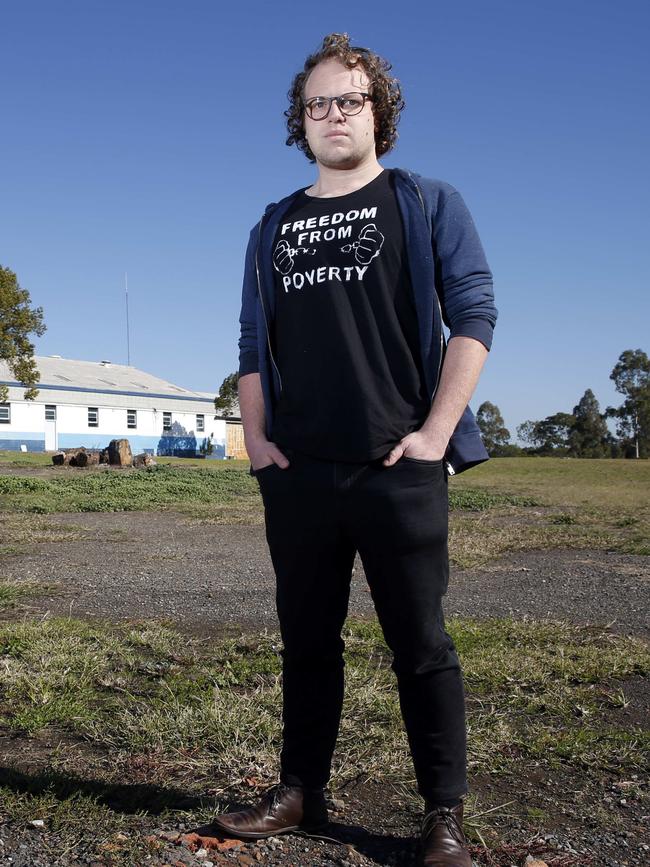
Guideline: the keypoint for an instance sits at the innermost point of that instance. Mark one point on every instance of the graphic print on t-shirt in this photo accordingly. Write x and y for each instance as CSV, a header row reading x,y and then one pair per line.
x,y
306,238
367,246
344,328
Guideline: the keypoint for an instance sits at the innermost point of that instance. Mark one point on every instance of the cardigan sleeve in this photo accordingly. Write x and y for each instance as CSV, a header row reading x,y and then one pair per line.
x,y
248,354
463,278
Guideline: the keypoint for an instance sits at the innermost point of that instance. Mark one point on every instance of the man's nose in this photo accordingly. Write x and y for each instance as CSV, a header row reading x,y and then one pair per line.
x,y
336,114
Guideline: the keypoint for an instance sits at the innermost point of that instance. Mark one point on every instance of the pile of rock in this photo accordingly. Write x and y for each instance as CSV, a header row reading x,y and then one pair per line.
x,y
117,454
80,457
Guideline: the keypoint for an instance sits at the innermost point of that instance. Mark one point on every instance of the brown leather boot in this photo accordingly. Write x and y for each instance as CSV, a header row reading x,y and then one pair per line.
x,y
283,808
443,842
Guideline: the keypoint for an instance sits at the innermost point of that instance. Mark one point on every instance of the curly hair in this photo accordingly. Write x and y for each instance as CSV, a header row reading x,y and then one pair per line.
x,y
387,102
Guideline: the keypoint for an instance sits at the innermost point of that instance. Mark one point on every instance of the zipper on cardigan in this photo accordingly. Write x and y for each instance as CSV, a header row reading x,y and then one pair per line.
x,y
442,336
259,292
450,470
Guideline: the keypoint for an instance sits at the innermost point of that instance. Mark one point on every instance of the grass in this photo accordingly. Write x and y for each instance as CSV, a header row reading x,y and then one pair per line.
x,y
13,593
213,709
581,504
12,458
506,505
167,486
153,722
149,489
18,532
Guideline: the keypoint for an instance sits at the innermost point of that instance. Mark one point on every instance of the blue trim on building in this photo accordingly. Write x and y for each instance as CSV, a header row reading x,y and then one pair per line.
x,y
171,446
14,442
100,441
78,388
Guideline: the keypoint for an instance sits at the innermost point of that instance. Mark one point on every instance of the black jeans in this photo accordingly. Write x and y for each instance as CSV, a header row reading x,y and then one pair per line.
x,y
318,515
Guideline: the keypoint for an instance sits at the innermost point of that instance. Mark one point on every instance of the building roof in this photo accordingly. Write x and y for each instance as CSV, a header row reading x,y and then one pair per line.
x,y
98,375
67,374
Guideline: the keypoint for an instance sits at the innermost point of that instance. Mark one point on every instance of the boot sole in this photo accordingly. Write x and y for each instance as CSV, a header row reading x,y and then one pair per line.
x,y
250,835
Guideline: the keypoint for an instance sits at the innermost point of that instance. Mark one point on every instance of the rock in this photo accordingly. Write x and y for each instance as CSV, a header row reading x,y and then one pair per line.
x,y
80,459
77,457
119,453
195,841
85,459
73,455
534,862
172,836
37,823
144,460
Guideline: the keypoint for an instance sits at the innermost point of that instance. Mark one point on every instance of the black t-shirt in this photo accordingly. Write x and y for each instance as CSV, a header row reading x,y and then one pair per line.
x,y
345,336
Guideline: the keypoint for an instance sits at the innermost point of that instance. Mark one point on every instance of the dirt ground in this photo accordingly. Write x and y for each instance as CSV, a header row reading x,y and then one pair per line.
x,y
212,579
215,580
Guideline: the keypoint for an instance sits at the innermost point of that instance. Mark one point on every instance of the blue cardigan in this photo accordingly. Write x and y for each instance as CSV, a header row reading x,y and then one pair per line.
x,y
451,281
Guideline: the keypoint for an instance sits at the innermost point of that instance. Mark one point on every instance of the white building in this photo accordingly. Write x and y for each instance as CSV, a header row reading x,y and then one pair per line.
x,y
89,403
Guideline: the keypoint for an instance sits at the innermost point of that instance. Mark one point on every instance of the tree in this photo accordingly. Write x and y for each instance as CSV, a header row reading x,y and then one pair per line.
x,y
589,437
207,446
631,376
496,435
228,397
17,321
548,436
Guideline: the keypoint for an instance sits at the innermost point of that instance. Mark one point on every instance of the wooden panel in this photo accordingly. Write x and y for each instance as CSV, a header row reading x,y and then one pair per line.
x,y
235,447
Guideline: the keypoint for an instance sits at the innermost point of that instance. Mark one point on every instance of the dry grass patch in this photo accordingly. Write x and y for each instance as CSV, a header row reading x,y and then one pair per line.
x,y
595,503
153,720
215,709
25,530
475,540
13,593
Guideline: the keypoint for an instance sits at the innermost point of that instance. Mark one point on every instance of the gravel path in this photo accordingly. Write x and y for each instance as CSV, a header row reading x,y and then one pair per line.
x,y
213,579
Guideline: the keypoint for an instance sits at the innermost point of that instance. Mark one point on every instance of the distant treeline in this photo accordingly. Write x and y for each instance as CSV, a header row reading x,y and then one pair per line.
x,y
583,433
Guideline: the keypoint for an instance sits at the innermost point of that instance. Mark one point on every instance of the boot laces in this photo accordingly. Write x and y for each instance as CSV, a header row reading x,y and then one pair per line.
x,y
276,792
444,814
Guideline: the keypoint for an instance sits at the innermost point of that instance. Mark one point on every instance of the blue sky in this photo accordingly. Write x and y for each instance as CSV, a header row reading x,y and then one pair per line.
x,y
146,137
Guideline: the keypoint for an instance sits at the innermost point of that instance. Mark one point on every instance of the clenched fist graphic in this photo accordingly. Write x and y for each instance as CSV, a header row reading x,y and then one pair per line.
x,y
284,254
283,257
367,246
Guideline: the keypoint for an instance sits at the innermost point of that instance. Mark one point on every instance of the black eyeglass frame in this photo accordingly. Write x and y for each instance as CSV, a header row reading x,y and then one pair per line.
x,y
337,100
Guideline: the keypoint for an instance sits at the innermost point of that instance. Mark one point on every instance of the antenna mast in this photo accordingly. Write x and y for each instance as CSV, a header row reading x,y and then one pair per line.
x,y
128,341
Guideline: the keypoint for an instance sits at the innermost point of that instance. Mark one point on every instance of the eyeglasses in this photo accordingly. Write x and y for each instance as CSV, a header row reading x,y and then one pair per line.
x,y
318,107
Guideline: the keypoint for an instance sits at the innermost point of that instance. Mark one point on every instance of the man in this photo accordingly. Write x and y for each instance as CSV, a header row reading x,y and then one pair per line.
x,y
349,401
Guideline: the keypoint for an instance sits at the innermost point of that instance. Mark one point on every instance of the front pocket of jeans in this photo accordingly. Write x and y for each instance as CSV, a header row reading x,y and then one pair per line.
x,y
422,461
264,469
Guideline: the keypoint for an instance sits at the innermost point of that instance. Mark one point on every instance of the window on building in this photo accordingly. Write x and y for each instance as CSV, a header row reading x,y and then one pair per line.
x,y
200,423
131,418
5,413
93,416
50,412
167,421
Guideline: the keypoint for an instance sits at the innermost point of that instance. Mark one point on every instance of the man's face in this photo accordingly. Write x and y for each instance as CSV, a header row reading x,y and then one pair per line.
x,y
340,141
